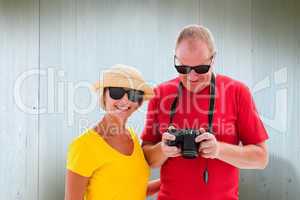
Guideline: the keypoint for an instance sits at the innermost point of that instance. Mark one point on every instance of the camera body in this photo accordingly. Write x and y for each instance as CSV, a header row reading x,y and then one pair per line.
x,y
185,140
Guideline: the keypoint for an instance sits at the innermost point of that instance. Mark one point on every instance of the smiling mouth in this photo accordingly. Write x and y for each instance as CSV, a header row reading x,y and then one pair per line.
x,y
122,108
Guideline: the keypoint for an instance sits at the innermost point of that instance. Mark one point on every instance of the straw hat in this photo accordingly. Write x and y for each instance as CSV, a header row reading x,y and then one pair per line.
x,y
123,76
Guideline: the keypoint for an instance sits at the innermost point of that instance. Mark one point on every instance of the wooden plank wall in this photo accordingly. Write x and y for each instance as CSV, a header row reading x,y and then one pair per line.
x,y
19,89
69,42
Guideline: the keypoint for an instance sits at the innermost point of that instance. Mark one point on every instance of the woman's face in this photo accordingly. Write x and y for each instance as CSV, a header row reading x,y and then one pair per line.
x,y
120,108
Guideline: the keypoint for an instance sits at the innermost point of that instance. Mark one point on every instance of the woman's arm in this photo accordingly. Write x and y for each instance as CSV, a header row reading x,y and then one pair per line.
x,y
153,187
75,186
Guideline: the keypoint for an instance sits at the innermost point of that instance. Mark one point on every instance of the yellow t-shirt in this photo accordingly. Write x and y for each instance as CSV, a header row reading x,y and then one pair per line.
x,y
113,176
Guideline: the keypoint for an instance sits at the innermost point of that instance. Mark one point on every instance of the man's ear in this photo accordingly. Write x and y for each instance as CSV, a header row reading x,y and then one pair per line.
x,y
213,59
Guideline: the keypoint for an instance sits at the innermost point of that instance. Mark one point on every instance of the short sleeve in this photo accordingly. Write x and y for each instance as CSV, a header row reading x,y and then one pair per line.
x,y
150,132
250,127
81,159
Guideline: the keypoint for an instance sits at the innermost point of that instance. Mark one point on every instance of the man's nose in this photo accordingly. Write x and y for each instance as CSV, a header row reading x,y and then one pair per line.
x,y
193,75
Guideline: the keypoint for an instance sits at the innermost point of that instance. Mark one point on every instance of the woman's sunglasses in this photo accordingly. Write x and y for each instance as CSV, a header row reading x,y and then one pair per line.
x,y
135,96
184,69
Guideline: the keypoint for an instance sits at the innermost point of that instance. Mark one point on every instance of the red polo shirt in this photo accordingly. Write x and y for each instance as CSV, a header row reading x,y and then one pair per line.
x,y
235,120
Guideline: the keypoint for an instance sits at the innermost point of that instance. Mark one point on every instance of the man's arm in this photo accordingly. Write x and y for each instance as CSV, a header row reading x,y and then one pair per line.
x,y
153,154
157,154
253,156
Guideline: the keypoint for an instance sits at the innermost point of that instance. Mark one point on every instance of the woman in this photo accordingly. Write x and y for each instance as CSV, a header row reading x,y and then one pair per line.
x,y
107,162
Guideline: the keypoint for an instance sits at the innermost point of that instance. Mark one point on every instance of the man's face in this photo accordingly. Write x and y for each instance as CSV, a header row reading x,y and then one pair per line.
x,y
193,53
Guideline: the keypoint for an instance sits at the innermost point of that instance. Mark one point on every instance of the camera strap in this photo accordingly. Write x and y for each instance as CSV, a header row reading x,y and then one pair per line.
x,y
211,103
210,114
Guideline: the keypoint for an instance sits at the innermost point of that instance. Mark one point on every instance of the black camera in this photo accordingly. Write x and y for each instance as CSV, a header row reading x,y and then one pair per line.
x,y
185,140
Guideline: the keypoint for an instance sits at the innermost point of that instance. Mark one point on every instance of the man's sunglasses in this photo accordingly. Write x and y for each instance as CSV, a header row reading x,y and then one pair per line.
x,y
135,96
184,69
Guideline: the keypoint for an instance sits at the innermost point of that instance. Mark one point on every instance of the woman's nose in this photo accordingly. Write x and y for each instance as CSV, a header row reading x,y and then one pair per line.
x,y
125,98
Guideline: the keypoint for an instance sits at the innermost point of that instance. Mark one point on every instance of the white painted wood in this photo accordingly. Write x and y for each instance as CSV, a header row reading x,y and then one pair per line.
x,y
275,53
258,42
18,128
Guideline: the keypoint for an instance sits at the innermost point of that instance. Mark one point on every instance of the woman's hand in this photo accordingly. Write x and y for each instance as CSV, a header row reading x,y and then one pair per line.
x,y
153,187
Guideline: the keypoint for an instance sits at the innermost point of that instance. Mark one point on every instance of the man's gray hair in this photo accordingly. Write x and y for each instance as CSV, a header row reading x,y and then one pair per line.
x,y
197,32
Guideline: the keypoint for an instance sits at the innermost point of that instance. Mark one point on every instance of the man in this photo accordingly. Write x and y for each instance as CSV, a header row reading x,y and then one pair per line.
x,y
222,109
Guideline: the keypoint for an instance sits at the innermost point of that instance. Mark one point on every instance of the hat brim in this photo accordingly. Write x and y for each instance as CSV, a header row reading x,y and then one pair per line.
x,y
126,83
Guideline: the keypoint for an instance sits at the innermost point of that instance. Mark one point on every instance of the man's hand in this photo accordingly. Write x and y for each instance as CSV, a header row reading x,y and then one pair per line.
x,y
209,146
169,151
157,153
